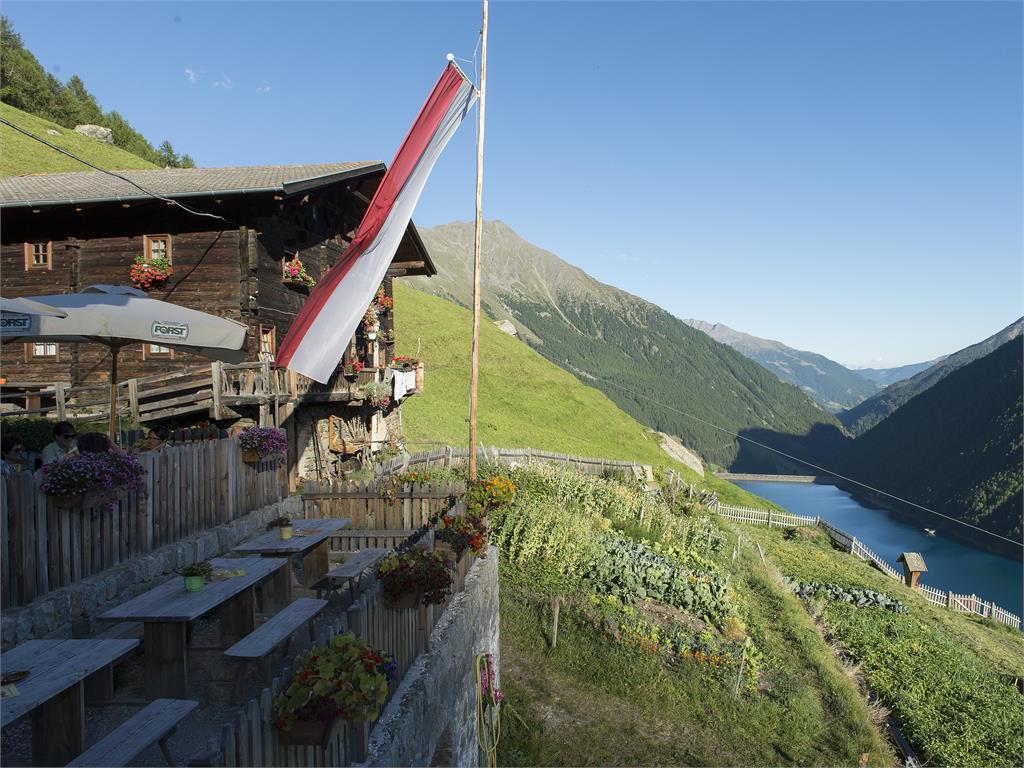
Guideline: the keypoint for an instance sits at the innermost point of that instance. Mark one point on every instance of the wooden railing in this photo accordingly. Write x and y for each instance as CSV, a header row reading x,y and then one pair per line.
x,y
446,456
960,603
189,489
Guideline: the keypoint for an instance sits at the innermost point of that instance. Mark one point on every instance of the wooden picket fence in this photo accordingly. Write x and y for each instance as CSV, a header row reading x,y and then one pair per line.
x,y
383,514
251,738
447,456
189,488
960,603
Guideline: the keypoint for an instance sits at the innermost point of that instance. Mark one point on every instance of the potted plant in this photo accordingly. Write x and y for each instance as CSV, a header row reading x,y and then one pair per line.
x,y
258,443
283,525
150,273
293,273
196,575
414,577
384,303
346,679
389,337
404,363
105,477
378,394
352,369
462,532
371,322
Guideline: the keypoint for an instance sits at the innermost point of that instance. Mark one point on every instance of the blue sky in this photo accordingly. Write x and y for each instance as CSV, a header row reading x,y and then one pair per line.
x,y
843,177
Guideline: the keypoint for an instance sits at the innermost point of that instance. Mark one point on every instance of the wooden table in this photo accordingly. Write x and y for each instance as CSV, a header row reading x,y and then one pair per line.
x,y
309,540
55,691
167,611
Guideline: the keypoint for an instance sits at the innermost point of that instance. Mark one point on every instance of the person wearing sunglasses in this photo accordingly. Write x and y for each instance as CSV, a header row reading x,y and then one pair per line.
x,y
63,443
157,437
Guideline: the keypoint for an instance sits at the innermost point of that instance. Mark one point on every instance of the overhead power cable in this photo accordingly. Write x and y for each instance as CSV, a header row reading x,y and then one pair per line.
x,y
116,175
807,463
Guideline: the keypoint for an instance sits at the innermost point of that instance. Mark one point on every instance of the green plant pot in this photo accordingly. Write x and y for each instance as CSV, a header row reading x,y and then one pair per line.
x,y
309,733
285,531
408,600
193,583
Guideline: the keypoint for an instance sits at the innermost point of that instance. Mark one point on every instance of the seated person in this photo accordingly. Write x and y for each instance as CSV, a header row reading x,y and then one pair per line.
x,y
63,443
157,437
10,454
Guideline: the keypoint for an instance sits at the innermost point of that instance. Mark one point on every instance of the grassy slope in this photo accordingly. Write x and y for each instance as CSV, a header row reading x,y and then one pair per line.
x,y
21,155
942,673
525,401
593,701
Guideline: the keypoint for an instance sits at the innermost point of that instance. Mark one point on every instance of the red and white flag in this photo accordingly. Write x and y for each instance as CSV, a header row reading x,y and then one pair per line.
x,y
321,331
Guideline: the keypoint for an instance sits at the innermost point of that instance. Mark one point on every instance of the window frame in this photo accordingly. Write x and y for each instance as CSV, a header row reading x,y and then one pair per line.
x,y
273,340
29,252
148,354
147,247
30,350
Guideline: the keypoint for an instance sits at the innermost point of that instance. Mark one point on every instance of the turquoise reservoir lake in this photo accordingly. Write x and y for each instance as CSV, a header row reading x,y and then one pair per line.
x,y
951,565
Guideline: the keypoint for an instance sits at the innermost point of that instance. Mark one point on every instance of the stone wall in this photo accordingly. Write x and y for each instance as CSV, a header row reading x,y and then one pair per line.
x,y
431,719
71,611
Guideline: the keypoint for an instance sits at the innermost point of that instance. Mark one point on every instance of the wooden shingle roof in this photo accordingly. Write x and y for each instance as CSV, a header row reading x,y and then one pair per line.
x,y
94,187
913,560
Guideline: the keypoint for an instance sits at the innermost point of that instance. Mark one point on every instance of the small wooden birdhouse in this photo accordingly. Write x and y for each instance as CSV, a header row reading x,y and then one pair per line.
x,y
913,567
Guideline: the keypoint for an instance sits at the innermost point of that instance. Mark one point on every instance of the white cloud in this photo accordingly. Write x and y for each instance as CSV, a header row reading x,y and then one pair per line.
x,y
225,82
191,74
263,89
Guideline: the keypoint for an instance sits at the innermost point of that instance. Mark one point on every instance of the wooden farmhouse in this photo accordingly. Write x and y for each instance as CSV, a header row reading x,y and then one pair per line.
x,y
63,232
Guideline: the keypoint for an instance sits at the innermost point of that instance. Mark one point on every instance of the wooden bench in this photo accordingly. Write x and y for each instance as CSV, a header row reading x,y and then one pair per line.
x,y
260,644
156,723
356,563
350,539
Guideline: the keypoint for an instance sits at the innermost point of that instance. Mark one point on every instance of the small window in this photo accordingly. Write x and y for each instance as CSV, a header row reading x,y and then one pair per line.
x,y
157,247
42,349
156,351
268,341
38,255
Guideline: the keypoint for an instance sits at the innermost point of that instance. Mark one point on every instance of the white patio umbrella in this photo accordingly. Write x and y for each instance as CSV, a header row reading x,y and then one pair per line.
x,y
115,315
24,306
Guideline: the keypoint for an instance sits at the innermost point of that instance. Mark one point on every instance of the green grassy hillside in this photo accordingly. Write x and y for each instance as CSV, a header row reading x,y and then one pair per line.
x,y
525,401
20,154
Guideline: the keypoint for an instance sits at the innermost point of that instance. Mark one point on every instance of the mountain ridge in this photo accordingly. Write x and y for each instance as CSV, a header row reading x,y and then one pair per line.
x,y
650,363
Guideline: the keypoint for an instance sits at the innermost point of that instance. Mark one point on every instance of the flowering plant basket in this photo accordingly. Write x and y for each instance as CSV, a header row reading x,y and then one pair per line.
x,y
462,532
346,678
414,572
371,320
105,476
404,362
378,394
385,304
352,369
258,443
293,273
150,273
484,496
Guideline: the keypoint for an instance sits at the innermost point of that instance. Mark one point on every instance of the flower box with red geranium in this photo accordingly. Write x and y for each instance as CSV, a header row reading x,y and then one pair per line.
x,y
414,577
149,273
377,394
346,679
352,369
462,532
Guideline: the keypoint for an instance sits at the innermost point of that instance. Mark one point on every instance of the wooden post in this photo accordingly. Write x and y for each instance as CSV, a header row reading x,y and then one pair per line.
x,y
769,518
554,622
474,365
761,552
133,399
112,432
739,677
217,376
58,391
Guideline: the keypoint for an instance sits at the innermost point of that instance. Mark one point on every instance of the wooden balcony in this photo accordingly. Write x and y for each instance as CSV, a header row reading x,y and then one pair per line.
x,y
217,390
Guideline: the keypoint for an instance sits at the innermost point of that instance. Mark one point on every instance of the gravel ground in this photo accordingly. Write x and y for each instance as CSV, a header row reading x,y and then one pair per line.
x,y
211,677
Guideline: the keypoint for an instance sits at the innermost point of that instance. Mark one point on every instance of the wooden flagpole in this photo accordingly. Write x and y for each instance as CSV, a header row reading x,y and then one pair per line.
x,y
474,364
